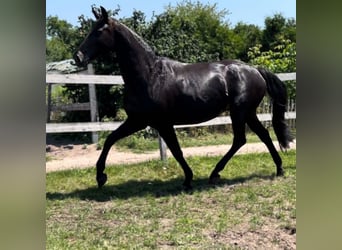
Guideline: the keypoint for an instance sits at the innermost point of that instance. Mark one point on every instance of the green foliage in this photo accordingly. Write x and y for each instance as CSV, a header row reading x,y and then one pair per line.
x,y
281,59
140,142
192,32
121,115
58,98
61,39
56,50
276,29
137,22
248,35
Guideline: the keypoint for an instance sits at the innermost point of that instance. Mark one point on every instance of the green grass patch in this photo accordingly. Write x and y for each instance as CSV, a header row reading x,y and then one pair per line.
x,y
138,143
48,158
143,206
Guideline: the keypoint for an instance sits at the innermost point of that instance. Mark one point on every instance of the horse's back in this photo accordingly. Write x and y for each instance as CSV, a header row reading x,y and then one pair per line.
x,y
190,93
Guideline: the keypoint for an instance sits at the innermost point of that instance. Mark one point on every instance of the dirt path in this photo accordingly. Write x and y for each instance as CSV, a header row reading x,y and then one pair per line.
x,y
79,156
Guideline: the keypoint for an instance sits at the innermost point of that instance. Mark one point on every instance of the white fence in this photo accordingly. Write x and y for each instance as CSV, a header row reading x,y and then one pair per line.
x,y
96,126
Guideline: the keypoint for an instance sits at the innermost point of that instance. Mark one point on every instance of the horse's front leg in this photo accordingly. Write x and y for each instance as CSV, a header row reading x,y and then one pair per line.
x,y
129,127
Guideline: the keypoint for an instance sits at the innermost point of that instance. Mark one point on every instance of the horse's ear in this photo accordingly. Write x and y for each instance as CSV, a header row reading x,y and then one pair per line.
x,y
96,13
104,13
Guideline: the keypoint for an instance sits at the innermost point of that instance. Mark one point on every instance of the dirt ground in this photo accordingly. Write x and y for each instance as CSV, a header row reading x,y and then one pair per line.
x,y
70,156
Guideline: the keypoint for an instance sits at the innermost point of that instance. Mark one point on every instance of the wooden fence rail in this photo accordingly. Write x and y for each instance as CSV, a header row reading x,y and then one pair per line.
x,y
96,126
110,126
114,80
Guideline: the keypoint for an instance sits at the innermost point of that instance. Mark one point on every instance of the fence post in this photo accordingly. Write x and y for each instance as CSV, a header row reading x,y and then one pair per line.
x,y
93,105
162,149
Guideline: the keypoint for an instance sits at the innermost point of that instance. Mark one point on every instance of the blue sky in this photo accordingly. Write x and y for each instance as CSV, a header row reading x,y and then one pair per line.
x,y
247,11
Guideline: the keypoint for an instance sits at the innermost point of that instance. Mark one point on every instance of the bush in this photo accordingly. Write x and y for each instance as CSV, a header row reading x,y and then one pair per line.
x,y
280,59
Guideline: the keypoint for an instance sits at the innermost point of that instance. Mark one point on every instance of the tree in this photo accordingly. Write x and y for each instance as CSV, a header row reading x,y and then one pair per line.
x,y
249,35
192,32
137,22
276,29
60,39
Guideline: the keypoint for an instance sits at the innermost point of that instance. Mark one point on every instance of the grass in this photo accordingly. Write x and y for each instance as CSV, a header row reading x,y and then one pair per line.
x,y
48,158
143,206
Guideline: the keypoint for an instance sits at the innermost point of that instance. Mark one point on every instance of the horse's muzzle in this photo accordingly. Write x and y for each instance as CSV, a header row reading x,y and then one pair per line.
x,y
80,58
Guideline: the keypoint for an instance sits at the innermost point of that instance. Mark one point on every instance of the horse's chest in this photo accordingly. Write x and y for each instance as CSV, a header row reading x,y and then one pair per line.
x,y
138,103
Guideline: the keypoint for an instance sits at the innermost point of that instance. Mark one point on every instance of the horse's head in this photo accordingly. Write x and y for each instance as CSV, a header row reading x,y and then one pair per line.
x,y
98,40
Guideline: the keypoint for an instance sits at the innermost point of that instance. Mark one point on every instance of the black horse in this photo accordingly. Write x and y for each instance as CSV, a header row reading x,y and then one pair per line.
x,y
160,92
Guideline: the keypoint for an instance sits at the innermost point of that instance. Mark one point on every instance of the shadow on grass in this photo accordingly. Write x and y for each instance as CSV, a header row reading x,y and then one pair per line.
x,y
155,188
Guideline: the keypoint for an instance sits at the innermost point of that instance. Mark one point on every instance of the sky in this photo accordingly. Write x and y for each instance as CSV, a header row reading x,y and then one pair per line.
x,y
247,11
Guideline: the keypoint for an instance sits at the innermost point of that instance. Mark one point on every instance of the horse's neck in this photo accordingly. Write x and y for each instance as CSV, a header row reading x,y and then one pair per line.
x,y
136,58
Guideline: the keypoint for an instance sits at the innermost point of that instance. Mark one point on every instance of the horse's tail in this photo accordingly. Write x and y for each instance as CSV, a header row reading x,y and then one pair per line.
x,y
278,93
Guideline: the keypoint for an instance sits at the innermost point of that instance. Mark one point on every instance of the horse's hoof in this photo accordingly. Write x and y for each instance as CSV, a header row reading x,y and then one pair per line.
x,y
187,186
213,180
280,172
101,179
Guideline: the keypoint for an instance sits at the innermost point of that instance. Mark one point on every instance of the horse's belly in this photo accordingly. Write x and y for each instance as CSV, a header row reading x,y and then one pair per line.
x,y
196,113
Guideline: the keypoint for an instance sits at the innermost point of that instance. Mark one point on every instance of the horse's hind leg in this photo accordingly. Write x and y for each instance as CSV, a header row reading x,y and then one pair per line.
x,y
255,125
129,127
238,124
170,138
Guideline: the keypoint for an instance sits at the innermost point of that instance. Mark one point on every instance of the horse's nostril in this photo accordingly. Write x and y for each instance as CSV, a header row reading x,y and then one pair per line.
x,y
80,56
